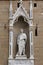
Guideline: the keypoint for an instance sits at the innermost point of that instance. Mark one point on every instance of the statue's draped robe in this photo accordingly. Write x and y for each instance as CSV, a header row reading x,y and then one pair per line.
x,y
21,41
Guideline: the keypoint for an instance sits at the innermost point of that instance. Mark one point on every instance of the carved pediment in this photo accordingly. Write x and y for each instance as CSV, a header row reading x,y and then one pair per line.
x,y
20,12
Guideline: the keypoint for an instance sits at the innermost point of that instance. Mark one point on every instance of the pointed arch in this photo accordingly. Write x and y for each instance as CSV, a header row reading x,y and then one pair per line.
x,y
20,12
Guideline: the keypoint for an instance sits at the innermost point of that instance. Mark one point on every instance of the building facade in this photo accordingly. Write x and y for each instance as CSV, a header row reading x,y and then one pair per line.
x,y
15,15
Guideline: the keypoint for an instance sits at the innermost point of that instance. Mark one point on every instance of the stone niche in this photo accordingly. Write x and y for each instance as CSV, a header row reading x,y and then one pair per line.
x,y
20,23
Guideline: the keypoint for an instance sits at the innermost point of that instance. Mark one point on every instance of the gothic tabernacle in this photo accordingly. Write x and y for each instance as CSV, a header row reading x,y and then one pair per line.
x,y
22,37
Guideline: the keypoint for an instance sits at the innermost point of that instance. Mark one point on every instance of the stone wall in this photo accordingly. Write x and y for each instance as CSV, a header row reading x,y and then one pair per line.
x,y
4,36
4,7
38,40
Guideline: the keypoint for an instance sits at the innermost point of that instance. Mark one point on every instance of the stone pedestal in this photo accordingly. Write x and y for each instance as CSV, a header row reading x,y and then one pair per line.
x,y
21,57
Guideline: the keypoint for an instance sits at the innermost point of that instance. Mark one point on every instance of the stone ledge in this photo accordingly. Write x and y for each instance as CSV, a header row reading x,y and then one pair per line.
x,y
21,62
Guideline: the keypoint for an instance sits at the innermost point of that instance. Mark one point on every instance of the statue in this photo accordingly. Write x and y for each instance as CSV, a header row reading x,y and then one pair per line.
x,y
21,41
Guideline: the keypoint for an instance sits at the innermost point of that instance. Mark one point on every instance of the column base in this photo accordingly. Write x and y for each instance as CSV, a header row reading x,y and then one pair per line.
x,y
31,57
10,57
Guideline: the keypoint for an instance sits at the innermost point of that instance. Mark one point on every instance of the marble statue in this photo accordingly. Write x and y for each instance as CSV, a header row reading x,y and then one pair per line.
x,y
21,41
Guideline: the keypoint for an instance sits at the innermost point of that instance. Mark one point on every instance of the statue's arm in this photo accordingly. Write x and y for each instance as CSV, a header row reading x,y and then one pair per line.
x,y
25,37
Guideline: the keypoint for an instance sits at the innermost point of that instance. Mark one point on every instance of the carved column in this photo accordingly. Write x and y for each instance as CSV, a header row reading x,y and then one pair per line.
x,y
31,31
11,43
10,31
31,45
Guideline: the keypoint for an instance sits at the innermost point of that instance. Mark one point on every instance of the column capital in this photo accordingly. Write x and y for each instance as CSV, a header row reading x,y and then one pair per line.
x,y
10,28
31,28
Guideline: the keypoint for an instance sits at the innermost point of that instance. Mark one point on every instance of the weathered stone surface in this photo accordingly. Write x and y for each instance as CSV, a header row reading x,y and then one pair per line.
x,y
21,62
37,18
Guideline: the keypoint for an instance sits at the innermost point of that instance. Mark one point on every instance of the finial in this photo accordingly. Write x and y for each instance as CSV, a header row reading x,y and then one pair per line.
x,y
10,9
20,2
31,9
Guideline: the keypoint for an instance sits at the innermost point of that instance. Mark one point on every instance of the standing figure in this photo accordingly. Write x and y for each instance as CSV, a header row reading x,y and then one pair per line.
x,y
21,41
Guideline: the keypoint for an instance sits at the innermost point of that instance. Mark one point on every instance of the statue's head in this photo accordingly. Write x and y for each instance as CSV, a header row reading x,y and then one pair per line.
x,y
21,30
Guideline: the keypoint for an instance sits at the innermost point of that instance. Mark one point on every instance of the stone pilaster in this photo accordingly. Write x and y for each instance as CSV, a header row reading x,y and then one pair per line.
x,y
11,43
